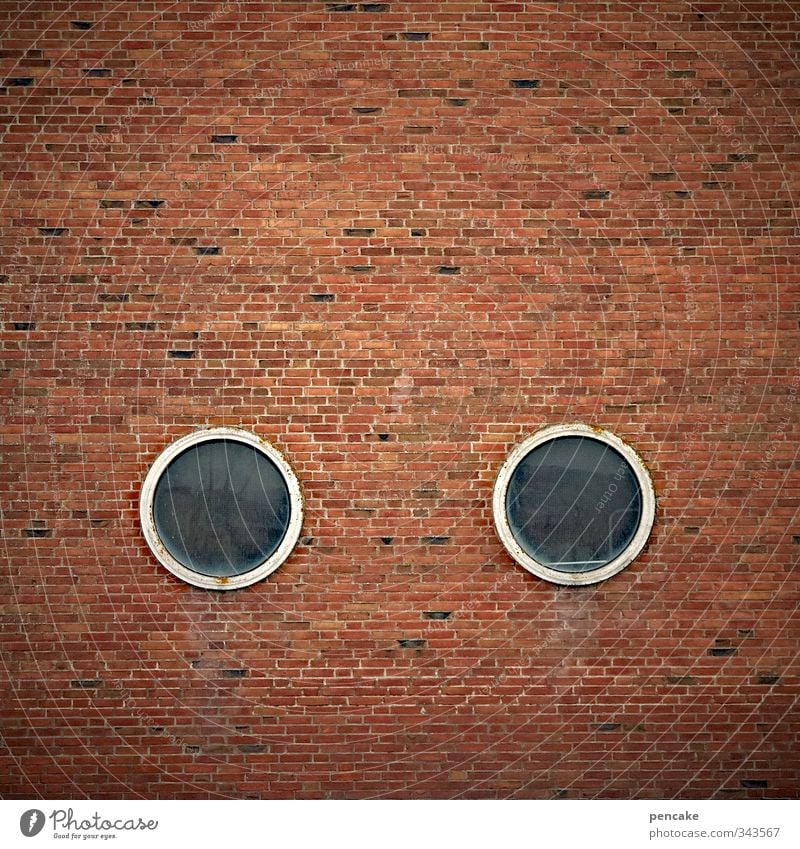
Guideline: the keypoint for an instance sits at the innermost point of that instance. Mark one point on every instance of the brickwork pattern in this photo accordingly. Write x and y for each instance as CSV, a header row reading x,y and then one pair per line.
x,y
394,239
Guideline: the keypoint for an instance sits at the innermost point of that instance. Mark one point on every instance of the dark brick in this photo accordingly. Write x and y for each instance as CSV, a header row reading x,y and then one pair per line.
x,y
524,83
621,408
412,644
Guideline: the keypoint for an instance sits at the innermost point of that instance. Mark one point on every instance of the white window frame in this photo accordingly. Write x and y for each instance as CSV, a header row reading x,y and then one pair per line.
x,y
522,557
214,582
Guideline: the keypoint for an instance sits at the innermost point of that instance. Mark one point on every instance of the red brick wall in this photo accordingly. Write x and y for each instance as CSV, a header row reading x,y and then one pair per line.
x,y
620,238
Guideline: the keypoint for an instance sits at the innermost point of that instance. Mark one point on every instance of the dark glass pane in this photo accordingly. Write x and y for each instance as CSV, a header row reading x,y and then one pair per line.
x,y
221,507
573,503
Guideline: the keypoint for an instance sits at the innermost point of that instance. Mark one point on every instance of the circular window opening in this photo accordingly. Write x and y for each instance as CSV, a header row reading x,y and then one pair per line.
x,y
221,508
573,504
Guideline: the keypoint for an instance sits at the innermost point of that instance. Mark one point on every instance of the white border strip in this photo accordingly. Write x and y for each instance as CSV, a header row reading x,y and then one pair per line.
x,y
402,823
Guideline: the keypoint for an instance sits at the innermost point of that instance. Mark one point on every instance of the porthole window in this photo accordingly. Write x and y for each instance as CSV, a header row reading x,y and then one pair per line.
x,y
573,504
221,508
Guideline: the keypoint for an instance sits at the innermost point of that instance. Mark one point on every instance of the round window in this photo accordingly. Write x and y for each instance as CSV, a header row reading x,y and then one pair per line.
x,y
573,504
221,508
